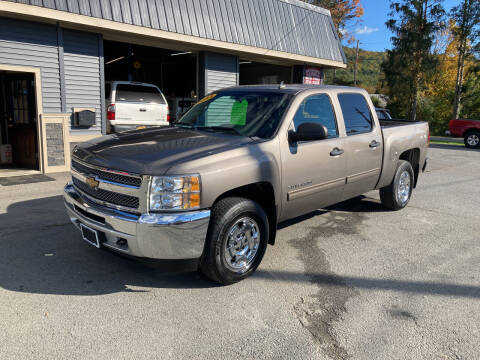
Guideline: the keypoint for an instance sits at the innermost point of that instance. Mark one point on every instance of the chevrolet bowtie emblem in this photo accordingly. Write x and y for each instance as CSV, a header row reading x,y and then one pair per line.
x,y
92,183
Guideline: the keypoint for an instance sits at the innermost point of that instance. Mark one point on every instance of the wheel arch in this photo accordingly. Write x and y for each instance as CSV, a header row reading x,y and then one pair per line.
x,y
413,157
264,194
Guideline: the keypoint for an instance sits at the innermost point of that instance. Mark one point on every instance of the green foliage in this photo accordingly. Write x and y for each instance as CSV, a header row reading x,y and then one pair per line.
x,y
471,94
369,75
414,24
466,16
375,101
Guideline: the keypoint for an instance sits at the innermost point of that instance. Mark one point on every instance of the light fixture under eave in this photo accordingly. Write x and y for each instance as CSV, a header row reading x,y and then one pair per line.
x,y
244,62
181,53
115,60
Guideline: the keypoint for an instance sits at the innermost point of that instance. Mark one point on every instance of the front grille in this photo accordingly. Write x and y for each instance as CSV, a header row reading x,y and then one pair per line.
x,y
107,196
105,175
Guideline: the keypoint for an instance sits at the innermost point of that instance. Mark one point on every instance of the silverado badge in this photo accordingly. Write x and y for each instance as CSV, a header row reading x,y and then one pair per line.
x,y
92,182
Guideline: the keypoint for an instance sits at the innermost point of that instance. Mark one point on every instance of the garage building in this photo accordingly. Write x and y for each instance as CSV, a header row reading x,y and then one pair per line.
x,y
57,55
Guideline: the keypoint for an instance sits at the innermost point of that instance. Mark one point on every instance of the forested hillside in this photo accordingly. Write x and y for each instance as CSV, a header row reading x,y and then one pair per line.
x,y
369,75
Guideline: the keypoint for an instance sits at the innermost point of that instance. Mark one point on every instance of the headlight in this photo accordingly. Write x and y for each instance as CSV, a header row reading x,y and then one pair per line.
x,y
175,193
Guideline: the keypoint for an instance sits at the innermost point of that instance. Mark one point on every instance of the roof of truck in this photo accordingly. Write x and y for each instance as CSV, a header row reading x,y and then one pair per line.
x,y
291,88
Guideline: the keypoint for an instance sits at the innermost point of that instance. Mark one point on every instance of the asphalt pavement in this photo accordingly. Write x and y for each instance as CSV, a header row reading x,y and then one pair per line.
x,y
352,281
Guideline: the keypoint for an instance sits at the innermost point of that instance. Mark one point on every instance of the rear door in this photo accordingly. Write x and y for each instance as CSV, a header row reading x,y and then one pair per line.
x,y
140,103
364,144
314,172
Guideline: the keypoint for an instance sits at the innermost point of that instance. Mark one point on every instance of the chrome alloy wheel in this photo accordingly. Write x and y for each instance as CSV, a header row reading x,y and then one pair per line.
x,y
242,244
473,140
404,187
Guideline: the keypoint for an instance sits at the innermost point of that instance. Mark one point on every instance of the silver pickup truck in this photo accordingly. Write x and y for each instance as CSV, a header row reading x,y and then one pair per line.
x,y
215,185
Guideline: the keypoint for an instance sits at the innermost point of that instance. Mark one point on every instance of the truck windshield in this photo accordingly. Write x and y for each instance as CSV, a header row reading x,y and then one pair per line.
x,y
251,114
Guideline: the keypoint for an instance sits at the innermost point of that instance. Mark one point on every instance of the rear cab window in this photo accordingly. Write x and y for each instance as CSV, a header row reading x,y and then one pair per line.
x,y
356,113
317,109
138,94
383,115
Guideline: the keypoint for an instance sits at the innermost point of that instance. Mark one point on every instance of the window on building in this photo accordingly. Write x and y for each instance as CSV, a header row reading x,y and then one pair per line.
x,y
317,109
356,113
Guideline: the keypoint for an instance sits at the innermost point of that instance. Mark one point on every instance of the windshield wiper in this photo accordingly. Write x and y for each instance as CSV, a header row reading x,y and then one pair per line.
x,y
184,126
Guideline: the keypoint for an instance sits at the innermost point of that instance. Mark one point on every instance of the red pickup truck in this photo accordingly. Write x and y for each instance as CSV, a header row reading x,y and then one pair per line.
x,y
468,129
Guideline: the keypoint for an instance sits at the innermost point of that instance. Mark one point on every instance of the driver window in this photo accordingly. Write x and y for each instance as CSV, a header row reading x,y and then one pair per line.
x,y
317,109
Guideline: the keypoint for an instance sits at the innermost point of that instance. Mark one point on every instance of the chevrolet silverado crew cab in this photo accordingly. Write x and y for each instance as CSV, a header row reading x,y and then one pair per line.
x,y
132,105
215,186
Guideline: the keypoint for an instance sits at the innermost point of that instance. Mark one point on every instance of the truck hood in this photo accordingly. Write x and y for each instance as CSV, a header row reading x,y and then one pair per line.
x,y
154,151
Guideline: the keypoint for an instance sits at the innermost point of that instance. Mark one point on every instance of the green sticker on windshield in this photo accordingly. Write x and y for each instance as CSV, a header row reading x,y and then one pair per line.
x,y
239,113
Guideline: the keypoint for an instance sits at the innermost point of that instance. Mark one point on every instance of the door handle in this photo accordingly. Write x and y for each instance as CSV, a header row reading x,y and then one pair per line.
x,y
374,144
143,110
336,152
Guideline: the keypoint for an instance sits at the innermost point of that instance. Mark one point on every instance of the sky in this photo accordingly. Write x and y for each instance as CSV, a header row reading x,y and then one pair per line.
x,y
372,32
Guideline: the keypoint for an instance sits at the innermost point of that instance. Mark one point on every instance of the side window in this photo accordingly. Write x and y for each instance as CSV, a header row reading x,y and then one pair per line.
x,y
317,109
356,113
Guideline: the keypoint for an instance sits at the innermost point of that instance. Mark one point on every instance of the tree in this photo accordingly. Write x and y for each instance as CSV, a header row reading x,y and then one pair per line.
x,y
436,98
471,92
343,13
414,24
467,33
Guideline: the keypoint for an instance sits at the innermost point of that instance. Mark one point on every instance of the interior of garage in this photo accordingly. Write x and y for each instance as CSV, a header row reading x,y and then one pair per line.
x,y
252,73
173,71
18,122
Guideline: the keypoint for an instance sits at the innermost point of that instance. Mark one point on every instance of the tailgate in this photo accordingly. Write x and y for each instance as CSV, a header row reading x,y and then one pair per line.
x,y
143,113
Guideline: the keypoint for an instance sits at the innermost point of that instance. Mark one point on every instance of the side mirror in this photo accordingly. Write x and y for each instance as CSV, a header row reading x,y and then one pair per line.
x,y
308,132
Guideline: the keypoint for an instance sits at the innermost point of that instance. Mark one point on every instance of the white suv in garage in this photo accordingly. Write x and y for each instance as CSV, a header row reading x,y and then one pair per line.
x,y
133,105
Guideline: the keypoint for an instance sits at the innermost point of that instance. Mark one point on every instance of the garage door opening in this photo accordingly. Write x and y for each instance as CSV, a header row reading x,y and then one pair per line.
x,y
174,72
18,122
253,73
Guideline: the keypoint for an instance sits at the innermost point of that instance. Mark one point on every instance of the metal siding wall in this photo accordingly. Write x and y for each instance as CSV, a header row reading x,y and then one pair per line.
x,y
286,25
30,44
82,73
220,71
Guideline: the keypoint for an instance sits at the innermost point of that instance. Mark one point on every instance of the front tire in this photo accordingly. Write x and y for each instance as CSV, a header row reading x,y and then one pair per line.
x,y
472,139
236,241
397,195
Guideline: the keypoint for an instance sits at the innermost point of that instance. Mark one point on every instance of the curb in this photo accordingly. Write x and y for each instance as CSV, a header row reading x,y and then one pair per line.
x,y
447,139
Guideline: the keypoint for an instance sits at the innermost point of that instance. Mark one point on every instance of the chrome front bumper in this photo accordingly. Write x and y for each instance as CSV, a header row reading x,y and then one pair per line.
x,y
169,236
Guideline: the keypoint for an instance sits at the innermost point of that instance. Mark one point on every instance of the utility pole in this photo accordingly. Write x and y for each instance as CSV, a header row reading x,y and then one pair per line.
x,y
356,65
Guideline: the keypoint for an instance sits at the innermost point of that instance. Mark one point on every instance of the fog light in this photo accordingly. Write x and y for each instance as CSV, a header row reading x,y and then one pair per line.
x,y
122,242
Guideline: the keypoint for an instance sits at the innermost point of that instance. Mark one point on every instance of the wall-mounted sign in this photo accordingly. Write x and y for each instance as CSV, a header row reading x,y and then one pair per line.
x,y
313,75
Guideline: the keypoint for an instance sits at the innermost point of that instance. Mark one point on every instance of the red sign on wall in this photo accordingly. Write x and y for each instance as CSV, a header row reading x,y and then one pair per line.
x,y
313,75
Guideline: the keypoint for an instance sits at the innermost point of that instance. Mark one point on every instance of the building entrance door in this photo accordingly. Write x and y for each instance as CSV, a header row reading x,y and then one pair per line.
x,y
18,119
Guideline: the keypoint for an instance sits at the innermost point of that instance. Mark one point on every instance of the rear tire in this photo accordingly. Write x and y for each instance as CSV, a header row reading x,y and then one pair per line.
x,y
472,139
397,195
236,241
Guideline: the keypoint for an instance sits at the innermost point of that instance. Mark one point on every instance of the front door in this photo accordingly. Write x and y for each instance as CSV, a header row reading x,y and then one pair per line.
x,y
19,118
364,147
314,172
